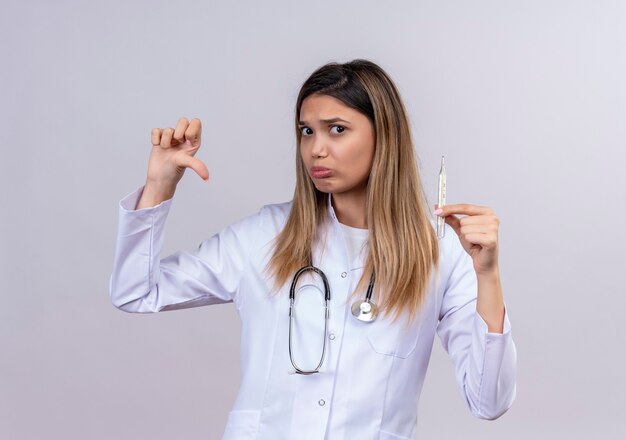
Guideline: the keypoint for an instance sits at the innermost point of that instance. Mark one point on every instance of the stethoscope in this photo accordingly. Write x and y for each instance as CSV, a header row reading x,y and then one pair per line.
x,y
363,310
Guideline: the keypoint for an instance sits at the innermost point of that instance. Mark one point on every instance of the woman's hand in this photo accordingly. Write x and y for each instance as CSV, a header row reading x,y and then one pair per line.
x,y
478,233
173,151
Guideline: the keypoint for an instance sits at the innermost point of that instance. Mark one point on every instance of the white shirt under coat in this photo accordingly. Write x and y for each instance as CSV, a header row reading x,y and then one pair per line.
x,y
372,376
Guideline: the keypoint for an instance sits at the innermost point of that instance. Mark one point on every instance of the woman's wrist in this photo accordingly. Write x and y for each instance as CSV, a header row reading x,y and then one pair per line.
x,y
154,193
490,303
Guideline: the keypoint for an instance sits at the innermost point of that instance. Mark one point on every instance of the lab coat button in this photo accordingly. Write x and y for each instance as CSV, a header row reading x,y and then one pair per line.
x,y
331,336
344,274
321,402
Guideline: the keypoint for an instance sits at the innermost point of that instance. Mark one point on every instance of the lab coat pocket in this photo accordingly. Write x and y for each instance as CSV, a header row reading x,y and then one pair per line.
x,y
393,339
384,435
242,425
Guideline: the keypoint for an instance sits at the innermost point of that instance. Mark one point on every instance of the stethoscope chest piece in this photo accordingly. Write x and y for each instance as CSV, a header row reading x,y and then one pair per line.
x,y
365,311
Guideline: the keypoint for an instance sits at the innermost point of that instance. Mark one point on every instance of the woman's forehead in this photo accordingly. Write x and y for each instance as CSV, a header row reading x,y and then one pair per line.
x,y
316,108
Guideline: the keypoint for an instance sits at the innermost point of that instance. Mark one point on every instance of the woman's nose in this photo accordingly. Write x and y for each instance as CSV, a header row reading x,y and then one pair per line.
x,y
319,147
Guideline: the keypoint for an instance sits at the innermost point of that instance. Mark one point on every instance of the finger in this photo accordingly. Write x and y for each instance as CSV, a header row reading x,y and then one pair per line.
x,y
166,138
179,133
478,229
466,209
487,241
197,165
488,219
156,136
194,132
455,223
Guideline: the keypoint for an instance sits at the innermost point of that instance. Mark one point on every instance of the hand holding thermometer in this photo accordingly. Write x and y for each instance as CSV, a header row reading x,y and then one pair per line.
x,y
441,221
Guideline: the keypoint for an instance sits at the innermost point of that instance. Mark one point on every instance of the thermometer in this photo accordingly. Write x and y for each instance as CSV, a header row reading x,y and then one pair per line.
x,y
441,221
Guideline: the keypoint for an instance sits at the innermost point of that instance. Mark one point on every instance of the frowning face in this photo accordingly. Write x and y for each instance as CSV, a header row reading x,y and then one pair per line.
x,y
337,144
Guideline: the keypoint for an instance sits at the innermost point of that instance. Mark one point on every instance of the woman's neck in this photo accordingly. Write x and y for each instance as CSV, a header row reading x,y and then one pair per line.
x,y
350,209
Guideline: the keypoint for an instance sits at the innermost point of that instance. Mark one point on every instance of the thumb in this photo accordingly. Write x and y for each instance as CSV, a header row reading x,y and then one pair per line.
x,y
195,164
452,220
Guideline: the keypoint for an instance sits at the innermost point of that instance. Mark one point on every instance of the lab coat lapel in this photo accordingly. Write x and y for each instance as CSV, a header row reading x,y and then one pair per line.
x,y
310,396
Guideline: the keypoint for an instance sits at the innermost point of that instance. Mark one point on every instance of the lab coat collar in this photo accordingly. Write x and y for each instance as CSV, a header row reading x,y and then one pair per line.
x,y
338,237
331,233
331,210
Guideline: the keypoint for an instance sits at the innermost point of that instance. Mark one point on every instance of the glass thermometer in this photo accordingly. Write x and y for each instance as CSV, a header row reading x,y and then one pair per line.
x,y
441,221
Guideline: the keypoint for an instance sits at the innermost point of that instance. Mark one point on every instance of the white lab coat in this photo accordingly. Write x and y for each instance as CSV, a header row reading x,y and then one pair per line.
x,y
372,376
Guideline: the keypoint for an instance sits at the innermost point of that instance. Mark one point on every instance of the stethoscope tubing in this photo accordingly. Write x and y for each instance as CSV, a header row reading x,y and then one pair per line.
x,y
292,297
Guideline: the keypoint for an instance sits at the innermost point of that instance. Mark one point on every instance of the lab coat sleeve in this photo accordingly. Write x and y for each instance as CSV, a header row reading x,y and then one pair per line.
x,y
141,282
485,363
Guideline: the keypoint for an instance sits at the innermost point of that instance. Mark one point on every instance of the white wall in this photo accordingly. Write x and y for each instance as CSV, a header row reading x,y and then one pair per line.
x,y
525,98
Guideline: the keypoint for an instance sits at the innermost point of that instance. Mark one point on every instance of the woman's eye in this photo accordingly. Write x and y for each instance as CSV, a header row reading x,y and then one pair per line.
x,y
304,131
341,129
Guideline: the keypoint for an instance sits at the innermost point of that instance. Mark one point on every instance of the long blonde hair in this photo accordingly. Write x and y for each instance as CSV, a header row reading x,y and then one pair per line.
x,y
402,245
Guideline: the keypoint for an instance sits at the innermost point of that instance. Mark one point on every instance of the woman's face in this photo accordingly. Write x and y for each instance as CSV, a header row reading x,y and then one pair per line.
x,y
337,144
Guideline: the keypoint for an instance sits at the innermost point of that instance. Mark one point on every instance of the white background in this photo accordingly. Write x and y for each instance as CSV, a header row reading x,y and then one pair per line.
x,y
525,98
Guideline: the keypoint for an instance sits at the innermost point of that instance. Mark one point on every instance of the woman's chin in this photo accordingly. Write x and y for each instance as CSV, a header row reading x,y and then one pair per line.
x,y
323,185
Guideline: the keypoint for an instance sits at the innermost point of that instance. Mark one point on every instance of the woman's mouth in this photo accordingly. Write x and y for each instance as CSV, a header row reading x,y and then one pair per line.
x,y
320,172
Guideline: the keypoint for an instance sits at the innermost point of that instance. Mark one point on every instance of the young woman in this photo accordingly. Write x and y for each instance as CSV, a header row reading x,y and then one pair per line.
x,y
340,290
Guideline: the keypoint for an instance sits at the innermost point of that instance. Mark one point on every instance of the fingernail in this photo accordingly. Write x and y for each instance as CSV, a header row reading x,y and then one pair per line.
x,y
188,142
438,211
